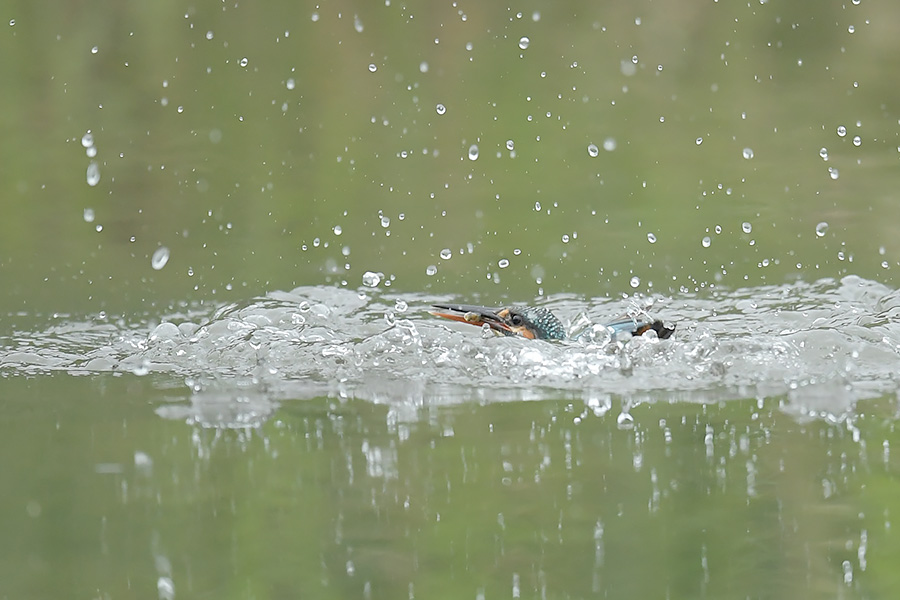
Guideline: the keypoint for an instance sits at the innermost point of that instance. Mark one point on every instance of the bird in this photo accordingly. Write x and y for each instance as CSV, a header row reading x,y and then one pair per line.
x,y
537,322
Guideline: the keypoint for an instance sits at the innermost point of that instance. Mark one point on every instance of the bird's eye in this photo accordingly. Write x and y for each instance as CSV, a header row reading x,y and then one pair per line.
x,y
516,319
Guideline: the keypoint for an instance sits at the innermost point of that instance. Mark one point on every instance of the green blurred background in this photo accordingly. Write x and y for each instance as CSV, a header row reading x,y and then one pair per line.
x,y
271,145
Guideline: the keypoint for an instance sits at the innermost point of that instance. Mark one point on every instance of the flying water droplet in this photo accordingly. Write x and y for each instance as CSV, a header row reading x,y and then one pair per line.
x,y
503,263
159,258
371,279
245,61
841,130
821,229
372,67
385,222
430,270
857,140
87,140
93,173
510,145
746,227
609,144
706,242
833,173
446,254
523,42
823,152
651,237
89,215
441,109
635,281
748,153
699,140
593,150
473,152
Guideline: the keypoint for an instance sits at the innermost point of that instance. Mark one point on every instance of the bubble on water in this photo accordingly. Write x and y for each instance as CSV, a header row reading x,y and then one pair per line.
x,y
291,83
746,227
371,279
699,140
430,270
372,67
821,229
446,254
87,140
510,145
841,130
651,237
833,173
337,230
503,263
593,150
441,109
523,42
159,258
635,281
748,153
823,152
245,61
609,144
857,140
89,215
93,173
706,242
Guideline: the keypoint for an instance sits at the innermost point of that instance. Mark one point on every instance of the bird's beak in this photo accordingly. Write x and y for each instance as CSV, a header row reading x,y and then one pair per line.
x,y
474,315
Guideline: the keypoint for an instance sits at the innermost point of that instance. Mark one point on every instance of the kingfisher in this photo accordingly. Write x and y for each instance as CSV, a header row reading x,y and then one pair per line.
x,y
537,322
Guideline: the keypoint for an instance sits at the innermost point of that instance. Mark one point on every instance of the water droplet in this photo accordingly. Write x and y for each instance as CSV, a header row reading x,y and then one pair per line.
x,y
430,270
609,144
565,238
841,130
635,281
706,242
159,258
699,140
718,229
401,306
523,42
87,140
372,67
537,206
833,173
371,279
357,24
746,227
93,173
821,229
89,215
651,237
884,264
593,150
823,152
245,61
473,152
503,263
446,254
857,140
423,67
291,83
337,230
748,153
94,50
99,228
441,109
209,35
385,222
851,29
510,145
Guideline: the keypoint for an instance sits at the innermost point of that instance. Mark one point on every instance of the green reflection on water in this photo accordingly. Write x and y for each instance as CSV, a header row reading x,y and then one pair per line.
x,y
335,499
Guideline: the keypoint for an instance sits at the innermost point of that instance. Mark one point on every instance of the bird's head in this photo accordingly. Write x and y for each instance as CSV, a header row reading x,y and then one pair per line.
x,y
526,321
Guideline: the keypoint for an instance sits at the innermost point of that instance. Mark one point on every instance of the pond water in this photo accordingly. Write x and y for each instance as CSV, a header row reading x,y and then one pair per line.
x,y
224,226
